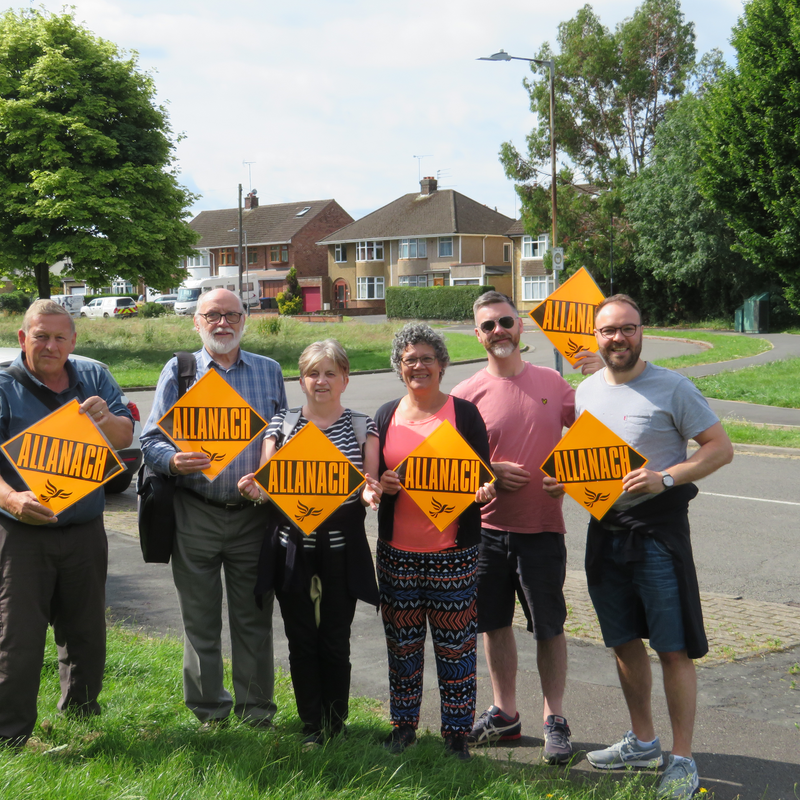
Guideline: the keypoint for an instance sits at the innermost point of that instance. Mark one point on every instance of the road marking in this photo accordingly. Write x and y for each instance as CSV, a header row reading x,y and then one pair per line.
x,y
757,499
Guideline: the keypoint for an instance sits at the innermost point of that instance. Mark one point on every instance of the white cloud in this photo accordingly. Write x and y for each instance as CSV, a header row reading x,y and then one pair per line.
x,y
334,99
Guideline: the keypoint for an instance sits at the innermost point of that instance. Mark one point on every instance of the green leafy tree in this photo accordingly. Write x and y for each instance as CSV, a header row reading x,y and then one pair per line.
x,y
86,160
751,140
290,302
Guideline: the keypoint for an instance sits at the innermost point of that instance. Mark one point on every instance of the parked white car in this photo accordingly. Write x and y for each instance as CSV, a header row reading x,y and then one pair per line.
x,y
117,307
131,456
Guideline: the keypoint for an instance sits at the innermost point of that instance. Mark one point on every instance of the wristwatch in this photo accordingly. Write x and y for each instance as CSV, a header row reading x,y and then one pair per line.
x,y
667,480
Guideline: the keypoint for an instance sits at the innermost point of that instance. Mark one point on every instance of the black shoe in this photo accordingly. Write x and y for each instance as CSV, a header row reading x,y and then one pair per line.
x,y
313,741
401,738
455,744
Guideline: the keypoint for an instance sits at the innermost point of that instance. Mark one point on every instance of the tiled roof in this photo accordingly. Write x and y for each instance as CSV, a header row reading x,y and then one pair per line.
x,y
273,224
442,213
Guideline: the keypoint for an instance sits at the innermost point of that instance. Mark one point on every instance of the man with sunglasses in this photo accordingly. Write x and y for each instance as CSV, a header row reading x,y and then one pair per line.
x,y
639,564
216,529
522,549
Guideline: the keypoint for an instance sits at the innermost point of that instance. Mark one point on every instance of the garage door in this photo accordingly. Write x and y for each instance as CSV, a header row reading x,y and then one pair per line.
x,y
312,299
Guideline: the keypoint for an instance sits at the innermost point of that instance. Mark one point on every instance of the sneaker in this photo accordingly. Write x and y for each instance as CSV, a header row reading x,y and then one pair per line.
x,y
627,753
401,738
680,780
557,746
494,726
313,741
455,744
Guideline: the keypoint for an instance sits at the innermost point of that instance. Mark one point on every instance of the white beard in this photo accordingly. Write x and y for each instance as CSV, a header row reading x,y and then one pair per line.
x,y
221,347
502,349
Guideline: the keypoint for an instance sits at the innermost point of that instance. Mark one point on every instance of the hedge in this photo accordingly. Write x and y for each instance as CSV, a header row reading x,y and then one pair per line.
x,y
432,302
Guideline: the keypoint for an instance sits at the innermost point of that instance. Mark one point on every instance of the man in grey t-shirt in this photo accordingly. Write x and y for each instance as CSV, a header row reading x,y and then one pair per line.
x,y
639,563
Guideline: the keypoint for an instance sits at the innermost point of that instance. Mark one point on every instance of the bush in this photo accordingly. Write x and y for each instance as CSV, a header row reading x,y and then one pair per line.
x,y
288,305
432,302
154,310
14,302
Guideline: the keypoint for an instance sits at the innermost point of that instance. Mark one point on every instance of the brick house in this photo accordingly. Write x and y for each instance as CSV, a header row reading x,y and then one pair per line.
x,y
430,238
532,283
275,239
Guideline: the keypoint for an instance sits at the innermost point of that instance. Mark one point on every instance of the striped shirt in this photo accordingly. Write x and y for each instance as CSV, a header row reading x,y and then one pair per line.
x,y
342,435
257,379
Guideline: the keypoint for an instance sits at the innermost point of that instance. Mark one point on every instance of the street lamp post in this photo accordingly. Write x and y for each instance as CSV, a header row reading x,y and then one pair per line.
x,y
550,64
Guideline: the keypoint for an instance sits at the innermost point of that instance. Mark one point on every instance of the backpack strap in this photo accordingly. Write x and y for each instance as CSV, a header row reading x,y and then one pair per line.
x,y
46,397
360,428
187,371
290,423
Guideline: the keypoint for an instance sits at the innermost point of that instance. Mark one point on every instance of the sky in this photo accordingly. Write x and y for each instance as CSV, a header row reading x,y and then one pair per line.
x,y
348,99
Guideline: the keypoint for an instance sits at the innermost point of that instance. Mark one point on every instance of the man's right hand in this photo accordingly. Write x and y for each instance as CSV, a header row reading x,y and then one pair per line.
x,y
510,476
26,508
188,463
553,487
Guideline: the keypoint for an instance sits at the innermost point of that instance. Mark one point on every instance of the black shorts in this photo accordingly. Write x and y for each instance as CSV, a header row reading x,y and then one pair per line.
x,y
531,566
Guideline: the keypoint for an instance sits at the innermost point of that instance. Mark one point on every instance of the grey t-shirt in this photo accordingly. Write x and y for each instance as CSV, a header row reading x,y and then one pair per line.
x,y
656,414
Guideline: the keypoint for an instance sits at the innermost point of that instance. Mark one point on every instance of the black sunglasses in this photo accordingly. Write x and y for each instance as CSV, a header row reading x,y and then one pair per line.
x,y
506,322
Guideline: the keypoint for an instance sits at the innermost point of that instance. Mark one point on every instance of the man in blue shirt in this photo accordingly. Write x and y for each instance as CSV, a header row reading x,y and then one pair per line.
x,y
52,568
217,530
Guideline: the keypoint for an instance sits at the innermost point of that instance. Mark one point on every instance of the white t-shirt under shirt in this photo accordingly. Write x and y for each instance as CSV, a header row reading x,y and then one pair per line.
x,y
525,416
656,414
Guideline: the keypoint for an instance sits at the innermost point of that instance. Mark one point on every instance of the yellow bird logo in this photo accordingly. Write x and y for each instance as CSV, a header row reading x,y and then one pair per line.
x,y
212,456
573,348
306,511
593,497
53,493
439,508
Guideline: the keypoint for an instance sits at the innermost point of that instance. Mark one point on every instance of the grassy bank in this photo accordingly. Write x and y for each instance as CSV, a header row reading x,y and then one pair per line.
x,y
773,384
724,347
147,745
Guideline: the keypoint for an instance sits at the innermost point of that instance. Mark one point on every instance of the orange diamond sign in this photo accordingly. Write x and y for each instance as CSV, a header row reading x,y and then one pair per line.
x,y
63,457
212,418
567,316
591,461
442,475
309,478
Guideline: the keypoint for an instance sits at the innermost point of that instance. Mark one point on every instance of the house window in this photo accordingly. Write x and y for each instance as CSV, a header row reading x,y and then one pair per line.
x,y
198,261
413,280
370,288
340,253
252,256
121,286
536,287
227,257
303,211
445,247
369,251
506,253
278,253
535,248
413,248
467,282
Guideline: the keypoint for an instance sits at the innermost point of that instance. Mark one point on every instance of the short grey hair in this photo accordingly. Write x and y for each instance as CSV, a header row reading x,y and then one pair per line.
x,y
46,308
317,351
491,298
418,333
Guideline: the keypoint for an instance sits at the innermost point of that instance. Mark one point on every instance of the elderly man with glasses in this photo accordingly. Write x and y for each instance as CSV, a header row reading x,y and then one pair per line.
x,y
522,549
639,564
217,530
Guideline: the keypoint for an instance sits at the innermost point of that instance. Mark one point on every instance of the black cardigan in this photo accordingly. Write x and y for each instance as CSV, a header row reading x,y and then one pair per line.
x,y
665,517
470,424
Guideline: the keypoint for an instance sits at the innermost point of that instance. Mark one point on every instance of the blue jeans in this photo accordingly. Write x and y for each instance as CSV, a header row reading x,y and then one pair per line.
x,y
639,599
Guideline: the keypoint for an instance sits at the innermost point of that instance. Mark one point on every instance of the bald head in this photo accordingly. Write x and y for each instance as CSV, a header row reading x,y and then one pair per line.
x,y
229,299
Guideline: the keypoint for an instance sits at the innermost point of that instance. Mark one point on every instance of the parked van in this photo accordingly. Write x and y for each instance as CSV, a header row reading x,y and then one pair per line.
x,y
190,292
72,302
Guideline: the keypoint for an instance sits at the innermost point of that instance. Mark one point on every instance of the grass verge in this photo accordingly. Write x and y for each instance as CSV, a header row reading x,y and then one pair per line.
x,y
773,384
147,745
724,347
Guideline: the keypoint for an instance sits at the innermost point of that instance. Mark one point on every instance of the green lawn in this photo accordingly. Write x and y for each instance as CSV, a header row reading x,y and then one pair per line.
x,y
773,384
724,347
147,746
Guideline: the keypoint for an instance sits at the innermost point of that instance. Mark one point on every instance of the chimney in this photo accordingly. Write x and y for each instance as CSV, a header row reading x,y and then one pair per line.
x,y
251,200
428,185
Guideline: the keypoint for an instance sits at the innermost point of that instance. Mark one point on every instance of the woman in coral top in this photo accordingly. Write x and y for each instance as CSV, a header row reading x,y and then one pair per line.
x,y
427,576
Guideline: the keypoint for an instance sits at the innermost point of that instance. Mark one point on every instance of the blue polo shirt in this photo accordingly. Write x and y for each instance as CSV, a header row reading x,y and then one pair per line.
x,y
257,379
19,409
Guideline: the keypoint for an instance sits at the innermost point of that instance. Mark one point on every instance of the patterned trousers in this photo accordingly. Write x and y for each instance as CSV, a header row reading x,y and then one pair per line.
x,y
438,589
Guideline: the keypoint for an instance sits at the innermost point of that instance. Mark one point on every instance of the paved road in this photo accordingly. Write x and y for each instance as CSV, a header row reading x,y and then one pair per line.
x,y
745,532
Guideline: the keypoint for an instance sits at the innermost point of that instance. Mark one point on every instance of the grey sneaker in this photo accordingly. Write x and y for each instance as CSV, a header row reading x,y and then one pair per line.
x,y
627,753
680,780
494,726
557,746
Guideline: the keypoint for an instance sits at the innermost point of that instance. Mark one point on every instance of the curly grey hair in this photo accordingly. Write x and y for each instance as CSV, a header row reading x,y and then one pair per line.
x,y
418,333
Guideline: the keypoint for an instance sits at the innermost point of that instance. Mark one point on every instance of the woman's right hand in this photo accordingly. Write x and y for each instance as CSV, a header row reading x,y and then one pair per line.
x,y
390,481
249,489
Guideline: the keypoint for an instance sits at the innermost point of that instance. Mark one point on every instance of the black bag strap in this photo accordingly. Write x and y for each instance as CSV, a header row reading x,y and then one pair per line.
x,y
46,397
187,371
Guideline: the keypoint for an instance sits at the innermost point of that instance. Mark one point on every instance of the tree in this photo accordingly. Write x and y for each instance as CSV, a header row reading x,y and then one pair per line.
x,y
751,139
290,302
86,160
683,245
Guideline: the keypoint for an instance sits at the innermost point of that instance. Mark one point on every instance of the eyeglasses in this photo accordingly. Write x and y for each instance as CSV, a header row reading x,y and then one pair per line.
x,y
232,317
506,322
426,361
626,330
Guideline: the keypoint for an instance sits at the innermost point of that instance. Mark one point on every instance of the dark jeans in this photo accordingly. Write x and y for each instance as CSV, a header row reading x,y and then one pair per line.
x,y
319,657
50,576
